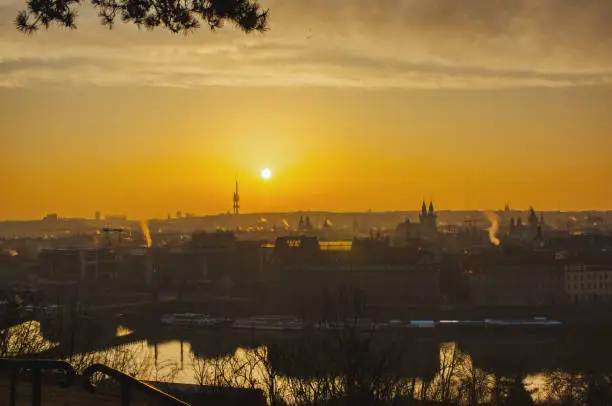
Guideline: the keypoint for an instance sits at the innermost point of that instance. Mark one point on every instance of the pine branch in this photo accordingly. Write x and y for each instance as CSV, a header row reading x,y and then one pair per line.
x,y
177,16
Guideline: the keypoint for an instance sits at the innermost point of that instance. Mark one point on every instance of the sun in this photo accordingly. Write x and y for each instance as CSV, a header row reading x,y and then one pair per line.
x,y
266,173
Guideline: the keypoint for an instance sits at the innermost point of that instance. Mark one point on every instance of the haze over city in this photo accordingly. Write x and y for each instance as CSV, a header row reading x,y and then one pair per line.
x,y
313,202
352,105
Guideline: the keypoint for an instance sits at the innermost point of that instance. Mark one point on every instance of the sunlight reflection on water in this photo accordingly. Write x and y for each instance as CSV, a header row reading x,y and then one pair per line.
x,y
176,361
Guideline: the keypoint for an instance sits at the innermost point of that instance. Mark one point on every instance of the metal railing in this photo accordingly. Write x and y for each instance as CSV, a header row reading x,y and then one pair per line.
x,y
35,367
128,385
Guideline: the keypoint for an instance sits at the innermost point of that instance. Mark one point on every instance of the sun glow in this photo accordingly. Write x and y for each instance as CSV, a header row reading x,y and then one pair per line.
x,y
266,173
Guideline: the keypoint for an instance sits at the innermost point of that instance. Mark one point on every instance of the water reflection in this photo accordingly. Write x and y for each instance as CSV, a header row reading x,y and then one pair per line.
x,y
314,368
457,378
123,331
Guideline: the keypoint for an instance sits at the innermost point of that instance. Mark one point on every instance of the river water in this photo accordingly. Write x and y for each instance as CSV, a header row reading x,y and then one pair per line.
x,y
547,365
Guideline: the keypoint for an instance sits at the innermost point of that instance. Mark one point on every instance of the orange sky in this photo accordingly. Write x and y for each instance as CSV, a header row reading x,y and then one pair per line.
x,y
349,113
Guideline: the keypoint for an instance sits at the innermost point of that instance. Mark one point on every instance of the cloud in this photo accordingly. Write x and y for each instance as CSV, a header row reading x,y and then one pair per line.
x,y
339,43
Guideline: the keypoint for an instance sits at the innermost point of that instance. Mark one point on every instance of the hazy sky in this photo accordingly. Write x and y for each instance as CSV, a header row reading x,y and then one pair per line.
x,y
353,104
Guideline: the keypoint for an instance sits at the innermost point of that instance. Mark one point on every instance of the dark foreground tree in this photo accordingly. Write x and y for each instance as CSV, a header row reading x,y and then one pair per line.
x,y
175,15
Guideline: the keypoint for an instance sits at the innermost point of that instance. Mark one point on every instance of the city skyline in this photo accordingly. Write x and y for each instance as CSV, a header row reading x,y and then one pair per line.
x,y
343,202
180,214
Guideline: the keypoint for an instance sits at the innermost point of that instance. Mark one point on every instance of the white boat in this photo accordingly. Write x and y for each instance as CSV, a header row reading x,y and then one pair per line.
x,y
51,310
421,324
381,326
358,324
396,324
331,325
273,323
539,321
192,319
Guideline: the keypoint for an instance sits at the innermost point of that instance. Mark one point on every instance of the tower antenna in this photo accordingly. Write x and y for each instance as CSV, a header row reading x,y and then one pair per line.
x,y
236,200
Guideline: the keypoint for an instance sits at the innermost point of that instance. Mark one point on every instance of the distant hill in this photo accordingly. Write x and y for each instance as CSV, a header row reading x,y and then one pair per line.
x,y
337,220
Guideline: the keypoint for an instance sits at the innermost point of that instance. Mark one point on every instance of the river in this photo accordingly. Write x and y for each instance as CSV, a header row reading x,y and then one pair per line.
x,y
300,366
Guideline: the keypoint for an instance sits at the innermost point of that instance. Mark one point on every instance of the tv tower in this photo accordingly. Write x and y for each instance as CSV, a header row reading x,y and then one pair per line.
x,y
236,200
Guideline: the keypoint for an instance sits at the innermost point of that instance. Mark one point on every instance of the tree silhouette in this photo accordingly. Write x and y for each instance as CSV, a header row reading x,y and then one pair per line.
x,y
519,395
175,15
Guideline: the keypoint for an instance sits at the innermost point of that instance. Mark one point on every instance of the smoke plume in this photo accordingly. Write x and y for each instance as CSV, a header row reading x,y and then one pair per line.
x,y
146,233
493,228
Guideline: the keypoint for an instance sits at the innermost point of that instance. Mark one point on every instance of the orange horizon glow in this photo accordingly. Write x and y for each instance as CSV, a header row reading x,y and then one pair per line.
x,y
321,161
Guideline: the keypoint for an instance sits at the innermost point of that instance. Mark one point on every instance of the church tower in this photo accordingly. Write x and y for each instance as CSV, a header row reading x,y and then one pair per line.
x,y
533,223
428,220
